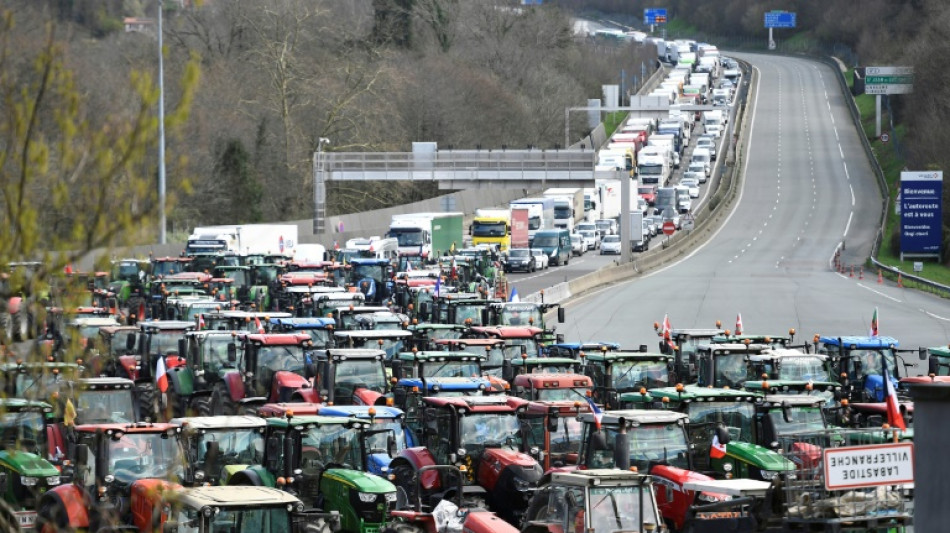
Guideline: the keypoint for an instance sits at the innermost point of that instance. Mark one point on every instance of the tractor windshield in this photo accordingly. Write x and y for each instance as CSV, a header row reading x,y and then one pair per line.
x,y
620,509
239,519
164,342
649,445
521,315
378,442
482,430
466,313
106,406
272,359
24,431
364,373
731,370
630,374
869,363
803,369
333,444
135,456
374,272
737,417
515,347
126,272
800,419
556,395
451,369
214,353
235,447
165,268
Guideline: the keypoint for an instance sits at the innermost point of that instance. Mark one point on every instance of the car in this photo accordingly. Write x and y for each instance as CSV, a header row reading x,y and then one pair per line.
x,y
578,246
656,224
590,238
540,258
520,260
727,84
693,185
698,176
709,143
610,245
702,167
651,225
714,128
648,193
671,215
606,226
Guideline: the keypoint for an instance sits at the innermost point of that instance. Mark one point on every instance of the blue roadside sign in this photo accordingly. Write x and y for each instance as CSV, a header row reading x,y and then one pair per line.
x,y
921,213
779,19
654,15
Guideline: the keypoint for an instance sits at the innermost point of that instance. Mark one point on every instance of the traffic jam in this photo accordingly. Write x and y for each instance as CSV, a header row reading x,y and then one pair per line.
x,y
400,384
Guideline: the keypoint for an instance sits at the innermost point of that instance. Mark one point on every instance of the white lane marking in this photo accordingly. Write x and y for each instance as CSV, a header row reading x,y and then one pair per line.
x,y
852,194
848,225
879,293
938,317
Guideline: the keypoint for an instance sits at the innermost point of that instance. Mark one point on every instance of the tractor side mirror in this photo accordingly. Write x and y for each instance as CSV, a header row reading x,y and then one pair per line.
x,y
211,457
507,371
664,348
232,352
391,444
922,353
82,454
552,423
561,314
182,347
424,310
289,456
622,451
399,396
486,316
722,434
397,368
787,412
933,366
598,441
273,453
130,342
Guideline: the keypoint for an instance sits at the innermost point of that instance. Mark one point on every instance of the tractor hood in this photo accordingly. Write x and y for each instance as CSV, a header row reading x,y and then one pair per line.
x,y
27,464
759,456
360,481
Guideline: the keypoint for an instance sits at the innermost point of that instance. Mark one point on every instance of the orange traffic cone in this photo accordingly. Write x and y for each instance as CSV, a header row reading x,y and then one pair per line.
x,y
880,277
900,280
861,274
852,272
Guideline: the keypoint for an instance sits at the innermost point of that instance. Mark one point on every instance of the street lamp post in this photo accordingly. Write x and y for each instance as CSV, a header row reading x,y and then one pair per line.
x,y
319,189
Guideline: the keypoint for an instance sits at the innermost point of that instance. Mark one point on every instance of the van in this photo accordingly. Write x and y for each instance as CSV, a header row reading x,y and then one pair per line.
x,y
702,155
555,243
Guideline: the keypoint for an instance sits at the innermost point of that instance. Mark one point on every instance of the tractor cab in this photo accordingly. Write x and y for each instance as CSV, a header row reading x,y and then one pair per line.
x,y
217,446
420,374
518,340
333,304
383,438
127,281
162,267
552,431
243,321
617,372
371,277
523,314
25,472
772,341
544,386
593,500
859,361
494,348
539,365
241,282
712,411
574,350
726,365
348,317
792,371
347,376
779,416
684,344
208,356
425,335
319,329
390,341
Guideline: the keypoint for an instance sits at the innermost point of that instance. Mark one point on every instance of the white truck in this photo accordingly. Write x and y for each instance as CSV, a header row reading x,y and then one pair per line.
x,y
540,213
425,233
568,206
654,166
243,239
640,239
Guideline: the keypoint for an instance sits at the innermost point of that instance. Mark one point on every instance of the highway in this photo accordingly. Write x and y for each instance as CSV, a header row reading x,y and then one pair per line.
x,y
808,187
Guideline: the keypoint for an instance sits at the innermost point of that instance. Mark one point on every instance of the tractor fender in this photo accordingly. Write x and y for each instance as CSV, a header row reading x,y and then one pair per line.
x,y
308,395
72,499
235,384
487,522
174,361
668,481
182,380
147,496
364,396
419,457
130,364
13,304
255,475
285,384
496,460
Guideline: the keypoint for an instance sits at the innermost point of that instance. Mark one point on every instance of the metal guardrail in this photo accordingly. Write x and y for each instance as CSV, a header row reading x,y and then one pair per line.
x,y
932,286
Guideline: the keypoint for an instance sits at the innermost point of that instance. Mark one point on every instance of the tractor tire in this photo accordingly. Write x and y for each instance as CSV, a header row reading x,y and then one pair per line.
x,y
221,402
8,520
319,525
147,396
401,528
202,405
404,477
21,325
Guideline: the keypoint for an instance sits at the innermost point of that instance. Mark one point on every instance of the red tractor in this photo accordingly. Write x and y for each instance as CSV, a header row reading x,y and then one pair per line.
x,y
118,472
415,516
552,431
481,435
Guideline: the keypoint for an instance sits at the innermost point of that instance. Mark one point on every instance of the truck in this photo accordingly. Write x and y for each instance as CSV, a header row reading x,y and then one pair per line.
x,y
608,197
245,239
540,213
653,167
639,238
520,222
426,233
492,227
568,206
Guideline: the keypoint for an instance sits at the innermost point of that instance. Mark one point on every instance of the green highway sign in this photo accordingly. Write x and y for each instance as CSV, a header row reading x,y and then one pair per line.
x,y
889,80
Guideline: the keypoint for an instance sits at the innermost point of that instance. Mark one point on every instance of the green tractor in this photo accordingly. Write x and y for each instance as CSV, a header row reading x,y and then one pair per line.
x,y
317,458
25,474
128,282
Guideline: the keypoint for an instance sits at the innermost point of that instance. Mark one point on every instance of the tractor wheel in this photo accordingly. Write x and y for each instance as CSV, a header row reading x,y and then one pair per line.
x,y
404,477
175,406
147,396
401,528
21,325
202,405
221,402
52,518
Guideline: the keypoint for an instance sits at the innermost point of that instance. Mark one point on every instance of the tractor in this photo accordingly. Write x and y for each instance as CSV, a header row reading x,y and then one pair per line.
x,y
592,501
217,446
544,386
481,435
316,458
390,341
683,344
25,473
257,509
373,278
791,371
425,373
552,431
326,304
319,329
859,363
115,470
516,366
347,376
415,515
726,365
577,350
496,349
617,372
128,282
157,339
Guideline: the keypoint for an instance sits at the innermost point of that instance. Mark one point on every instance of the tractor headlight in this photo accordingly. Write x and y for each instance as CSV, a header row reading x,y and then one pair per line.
x,y
368,497
521,485
390,497
703,497
768,475
199,475
53,480
29,481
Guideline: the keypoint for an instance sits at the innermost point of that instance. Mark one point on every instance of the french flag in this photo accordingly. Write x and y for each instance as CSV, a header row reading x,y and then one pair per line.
x,y
598,414
161,376
718,449
514,298
894,417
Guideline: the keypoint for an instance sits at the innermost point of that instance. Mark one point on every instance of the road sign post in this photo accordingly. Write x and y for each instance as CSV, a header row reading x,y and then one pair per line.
x,y
921,213
778,19
669,228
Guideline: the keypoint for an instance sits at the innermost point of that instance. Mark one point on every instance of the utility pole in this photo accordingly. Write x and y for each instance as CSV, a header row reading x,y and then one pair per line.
x,y
161,132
